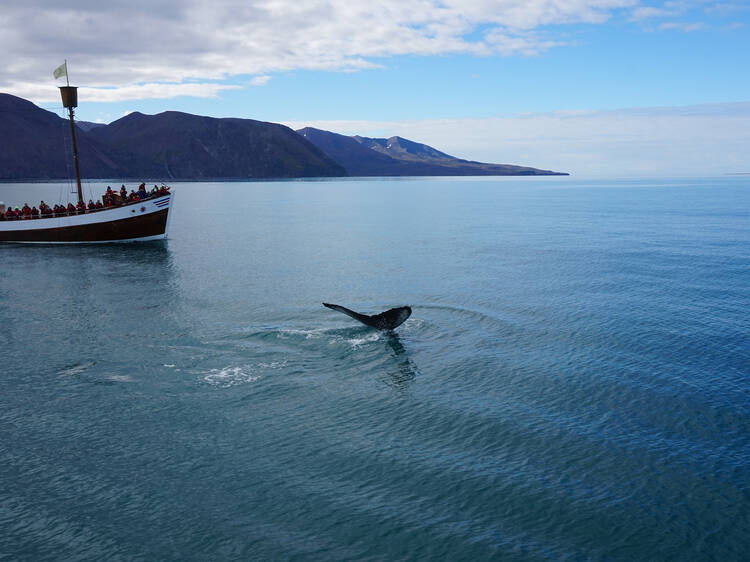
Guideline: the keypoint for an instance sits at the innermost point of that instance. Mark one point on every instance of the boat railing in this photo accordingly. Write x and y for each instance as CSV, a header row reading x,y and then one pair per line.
x,y
83,211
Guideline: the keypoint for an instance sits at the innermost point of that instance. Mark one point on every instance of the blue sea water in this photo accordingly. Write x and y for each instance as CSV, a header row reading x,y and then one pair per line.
x,y
574,382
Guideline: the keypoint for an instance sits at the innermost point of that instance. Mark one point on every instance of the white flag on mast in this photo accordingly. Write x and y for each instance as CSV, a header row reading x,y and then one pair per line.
x,y
61,70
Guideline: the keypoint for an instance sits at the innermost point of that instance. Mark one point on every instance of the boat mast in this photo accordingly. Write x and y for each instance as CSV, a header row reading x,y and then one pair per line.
x,y
69,96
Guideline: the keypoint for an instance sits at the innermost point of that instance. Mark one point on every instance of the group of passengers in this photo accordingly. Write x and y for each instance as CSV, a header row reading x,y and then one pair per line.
x,y
109,199
114,198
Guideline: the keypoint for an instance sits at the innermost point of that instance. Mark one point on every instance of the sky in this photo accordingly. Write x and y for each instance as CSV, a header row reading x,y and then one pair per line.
x,y
600,88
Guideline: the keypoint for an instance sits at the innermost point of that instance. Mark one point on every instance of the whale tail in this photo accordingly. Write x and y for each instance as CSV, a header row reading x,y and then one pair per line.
x,y
356,315
388,320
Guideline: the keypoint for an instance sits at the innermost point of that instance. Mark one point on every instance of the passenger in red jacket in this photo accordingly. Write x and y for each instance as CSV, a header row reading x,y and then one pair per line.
x,y
9,214
34,213
26,211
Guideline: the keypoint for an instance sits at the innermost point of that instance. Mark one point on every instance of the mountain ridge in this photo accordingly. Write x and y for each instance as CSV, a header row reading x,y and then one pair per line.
x,y
397,156
35,145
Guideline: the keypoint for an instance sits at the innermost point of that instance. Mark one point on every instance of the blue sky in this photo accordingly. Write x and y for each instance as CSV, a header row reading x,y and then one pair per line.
x,y
619,64
387,67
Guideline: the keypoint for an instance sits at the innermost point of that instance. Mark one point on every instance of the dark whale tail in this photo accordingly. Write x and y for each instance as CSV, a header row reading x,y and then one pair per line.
x,y
388,320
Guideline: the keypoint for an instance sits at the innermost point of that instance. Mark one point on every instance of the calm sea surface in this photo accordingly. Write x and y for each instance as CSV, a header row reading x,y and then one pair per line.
x,y
574,382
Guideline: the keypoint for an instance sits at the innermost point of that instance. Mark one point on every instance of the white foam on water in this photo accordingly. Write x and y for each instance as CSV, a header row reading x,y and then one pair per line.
x,y
169,365
273,365
230,376
307,334
356,342
413,323
120,378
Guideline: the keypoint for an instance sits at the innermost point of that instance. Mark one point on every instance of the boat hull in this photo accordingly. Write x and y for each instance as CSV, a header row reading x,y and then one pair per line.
x,y
140,221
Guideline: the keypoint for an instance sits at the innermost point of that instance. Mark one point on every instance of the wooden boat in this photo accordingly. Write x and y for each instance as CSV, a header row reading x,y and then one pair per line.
x,y
142,220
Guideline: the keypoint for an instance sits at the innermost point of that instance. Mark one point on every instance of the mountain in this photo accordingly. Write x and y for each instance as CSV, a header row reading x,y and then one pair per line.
x,y
403,149
357,159
35,144
88,125
396,156
184,146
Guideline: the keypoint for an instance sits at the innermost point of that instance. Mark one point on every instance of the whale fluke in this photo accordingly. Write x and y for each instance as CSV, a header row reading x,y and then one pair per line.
x,y
387,320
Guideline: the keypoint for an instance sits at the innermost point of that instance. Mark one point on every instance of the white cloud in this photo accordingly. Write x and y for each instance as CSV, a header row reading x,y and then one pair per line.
x,y
48,93
726,8
136,44
668,141
260,80
649,12
681,26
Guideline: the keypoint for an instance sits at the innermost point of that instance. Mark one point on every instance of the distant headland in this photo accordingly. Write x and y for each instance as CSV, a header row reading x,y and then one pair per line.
x,y
181,146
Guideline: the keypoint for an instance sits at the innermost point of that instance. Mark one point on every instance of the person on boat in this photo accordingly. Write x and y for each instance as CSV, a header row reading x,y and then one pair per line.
x,y
108,202
142,194
9,214
71,209
80,207
91,205
26,211
34,213
123,192
98,205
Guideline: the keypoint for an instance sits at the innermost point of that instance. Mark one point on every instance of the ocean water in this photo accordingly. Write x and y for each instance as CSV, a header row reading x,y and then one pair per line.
x,y
574,382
